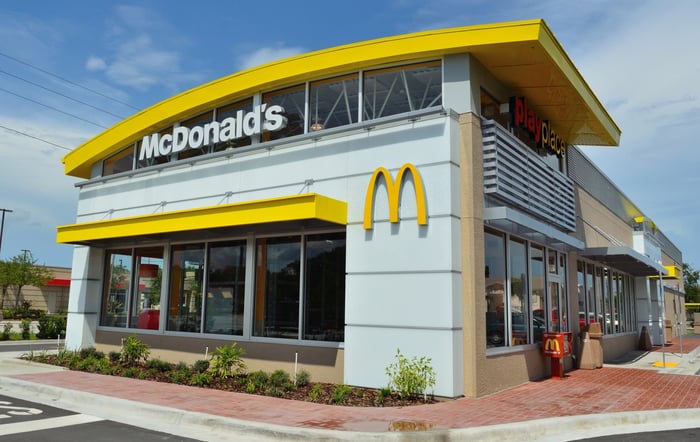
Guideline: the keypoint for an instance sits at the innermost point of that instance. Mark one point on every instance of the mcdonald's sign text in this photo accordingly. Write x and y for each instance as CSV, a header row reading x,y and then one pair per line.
x,y
393,190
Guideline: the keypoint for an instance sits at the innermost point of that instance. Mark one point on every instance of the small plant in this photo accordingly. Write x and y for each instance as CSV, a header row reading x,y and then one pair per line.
x,y
63,356
200,379
114,356
6,330
382,394
258,378
279,377
412,377
341,393
250,387
315,392
182,366
133,351
303,378
274,391
226,361
131,372
90,352
86,364
178,376
200,365
25,325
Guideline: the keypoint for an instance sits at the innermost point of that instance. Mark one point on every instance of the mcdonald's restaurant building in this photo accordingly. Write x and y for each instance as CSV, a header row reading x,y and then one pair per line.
x,y
425,192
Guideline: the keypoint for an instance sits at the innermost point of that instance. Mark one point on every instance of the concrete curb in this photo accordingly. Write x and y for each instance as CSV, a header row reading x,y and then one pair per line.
x,y
216,428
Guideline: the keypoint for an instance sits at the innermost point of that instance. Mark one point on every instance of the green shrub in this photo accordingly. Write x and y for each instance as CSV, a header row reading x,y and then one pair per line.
x,y
179,376
25,325
90,352
279,377
303,378
130,372
412,377
6,330
200,379
274,391
258,378
114,356
86,364
341,393
250,387
133,351
51,327
158,365
200,365
226,361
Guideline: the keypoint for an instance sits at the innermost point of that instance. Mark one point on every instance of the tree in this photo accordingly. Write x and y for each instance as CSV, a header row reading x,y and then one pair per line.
x,y
22,270
691,277
4,281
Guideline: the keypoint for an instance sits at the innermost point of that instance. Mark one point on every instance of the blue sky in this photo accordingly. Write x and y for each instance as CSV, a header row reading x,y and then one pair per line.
x,y
639,57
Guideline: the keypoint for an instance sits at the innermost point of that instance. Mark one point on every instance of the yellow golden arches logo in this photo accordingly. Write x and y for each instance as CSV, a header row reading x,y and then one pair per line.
x,y
551,345
393,190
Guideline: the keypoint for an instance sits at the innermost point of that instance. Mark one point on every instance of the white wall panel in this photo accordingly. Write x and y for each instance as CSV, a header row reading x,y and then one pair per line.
x,y
421,300
369,350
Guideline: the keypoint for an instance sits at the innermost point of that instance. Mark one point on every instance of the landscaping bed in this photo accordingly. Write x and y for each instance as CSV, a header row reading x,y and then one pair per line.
x,y
226,371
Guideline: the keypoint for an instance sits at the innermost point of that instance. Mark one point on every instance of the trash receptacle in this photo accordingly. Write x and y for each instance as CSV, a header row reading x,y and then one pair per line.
x,y
557,345
595,334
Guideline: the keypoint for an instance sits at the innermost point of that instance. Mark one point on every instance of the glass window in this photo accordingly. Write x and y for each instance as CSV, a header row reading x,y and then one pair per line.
x,y
590,295
119,162
495,260
145,305
324,287
518,293
225,288
333,102
293,101
401,89
237,111
277,284
115,298
538,289
186,282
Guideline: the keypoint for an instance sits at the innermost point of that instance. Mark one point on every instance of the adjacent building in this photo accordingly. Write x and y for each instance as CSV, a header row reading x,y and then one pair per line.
x,y
426,192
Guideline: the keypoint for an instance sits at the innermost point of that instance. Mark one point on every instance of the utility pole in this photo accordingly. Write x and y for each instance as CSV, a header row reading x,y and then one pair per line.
x,y
2,224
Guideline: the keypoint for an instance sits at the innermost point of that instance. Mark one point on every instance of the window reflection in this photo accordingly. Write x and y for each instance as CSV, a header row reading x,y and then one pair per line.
x,y
236,110
401,89
119,162
333,102
518,293
277,287
324,282
539,296
186,273
293,100
225,288
495,259
116,291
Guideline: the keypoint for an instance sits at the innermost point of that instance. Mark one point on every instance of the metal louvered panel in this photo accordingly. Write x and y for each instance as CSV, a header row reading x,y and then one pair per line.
x,y
516,175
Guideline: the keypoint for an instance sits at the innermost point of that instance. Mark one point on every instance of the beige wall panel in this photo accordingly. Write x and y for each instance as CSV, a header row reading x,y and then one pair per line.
x,y
599,224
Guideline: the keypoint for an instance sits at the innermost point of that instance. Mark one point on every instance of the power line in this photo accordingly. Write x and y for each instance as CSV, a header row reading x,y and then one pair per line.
x,y
68,81
52,108
61,94
36,138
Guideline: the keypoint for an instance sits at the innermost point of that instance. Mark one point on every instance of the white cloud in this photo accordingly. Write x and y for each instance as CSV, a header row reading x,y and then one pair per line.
x,y
94,63
267,54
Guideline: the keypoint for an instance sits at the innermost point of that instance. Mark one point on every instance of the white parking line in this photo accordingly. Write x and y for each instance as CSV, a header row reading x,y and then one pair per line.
x,y
47,424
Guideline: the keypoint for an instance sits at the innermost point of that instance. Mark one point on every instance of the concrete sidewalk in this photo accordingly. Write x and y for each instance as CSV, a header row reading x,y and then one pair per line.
x,y
631,395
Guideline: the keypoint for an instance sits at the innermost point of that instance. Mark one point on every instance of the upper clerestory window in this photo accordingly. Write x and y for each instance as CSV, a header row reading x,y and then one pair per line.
x,y
401,89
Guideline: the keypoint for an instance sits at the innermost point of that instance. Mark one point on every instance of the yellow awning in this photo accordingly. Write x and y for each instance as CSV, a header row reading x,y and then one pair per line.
x,y
280,209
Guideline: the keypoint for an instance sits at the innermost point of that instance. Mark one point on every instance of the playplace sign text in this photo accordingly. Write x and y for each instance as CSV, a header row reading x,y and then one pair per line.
x,y
541,131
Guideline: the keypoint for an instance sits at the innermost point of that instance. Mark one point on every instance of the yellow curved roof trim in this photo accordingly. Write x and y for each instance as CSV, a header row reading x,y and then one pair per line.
x,y
508,50
287,208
